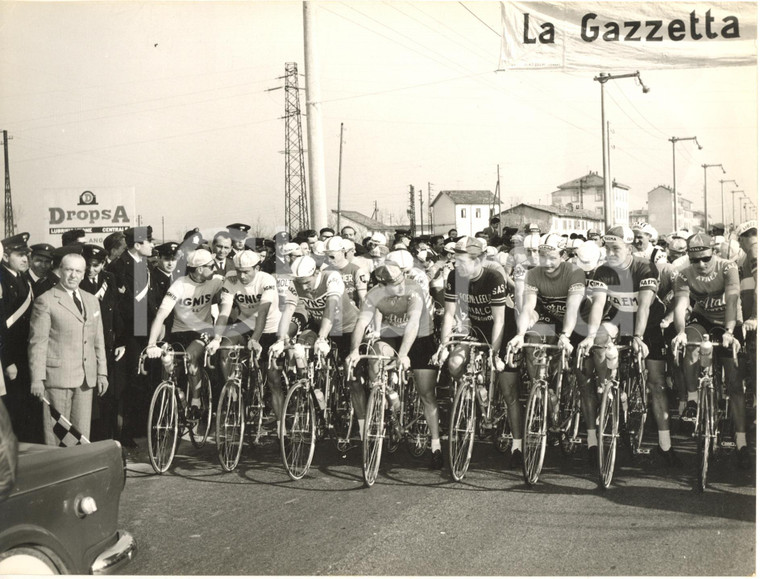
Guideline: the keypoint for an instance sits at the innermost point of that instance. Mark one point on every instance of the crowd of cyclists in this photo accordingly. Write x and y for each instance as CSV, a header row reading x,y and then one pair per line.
x,y
411,295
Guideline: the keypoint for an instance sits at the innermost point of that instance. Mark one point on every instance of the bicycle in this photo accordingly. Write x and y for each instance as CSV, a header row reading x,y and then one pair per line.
x,y
168,418
413,423
378,413
240,408
535,429
469,387
339,409
710,415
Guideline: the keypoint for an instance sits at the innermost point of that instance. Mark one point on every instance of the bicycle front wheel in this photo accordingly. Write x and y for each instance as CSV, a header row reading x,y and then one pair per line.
x,y
163,419
705,437
609,414
570,416
199,430
299,430
462,431
374,432
230,425
341,413
534,433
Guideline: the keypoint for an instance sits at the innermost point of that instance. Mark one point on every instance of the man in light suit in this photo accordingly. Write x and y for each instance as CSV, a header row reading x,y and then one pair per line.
x,y
67,355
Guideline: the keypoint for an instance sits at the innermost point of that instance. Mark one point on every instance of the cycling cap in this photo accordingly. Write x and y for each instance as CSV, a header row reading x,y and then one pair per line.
x,y
349,245
677,244
470,245
747,227
304,266
575,243
402,258
389,273
644,227
549,242
699,242
682,234
491,251
378,237
593,231
334,243
531,241
619,233
199,257
246,258
318,248
291,248
449,247
588,255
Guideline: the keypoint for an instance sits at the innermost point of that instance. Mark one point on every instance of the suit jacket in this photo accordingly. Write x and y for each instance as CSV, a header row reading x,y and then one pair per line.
x,y
104,288
229,265
66,348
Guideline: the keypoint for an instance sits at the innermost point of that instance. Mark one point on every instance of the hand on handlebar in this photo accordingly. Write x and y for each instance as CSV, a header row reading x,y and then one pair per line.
x,y
153,351
255,347
213,346
564,341
585,346
639,347
517,342
322,346
498,363
276,349
404,363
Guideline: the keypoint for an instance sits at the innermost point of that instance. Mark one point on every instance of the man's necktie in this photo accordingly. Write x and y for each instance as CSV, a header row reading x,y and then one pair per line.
x,y
78,303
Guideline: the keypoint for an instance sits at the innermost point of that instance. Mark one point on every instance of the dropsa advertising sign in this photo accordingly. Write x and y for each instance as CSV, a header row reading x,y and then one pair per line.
x,y
97,211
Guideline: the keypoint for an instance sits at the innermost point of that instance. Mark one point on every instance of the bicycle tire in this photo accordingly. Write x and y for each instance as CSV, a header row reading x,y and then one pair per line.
x,y
163,427
461,431
341,412
534,432
199,430
609,415
298,430
637,412
230,425
502,434
705,437
414,425
374,432
570,416
254,407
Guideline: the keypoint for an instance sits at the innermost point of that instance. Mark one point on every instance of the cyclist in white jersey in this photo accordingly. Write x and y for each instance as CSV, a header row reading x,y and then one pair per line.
x,y
190,298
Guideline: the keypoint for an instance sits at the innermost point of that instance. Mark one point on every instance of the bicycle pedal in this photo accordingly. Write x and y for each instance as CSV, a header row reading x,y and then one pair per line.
x,y
692,419
642,451
728,444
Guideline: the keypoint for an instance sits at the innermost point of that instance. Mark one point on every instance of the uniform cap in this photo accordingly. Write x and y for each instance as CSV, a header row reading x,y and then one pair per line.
x,y
304,266
587,255
92,251
335,243
168,249
746,227
43,249
138,235
699,242
531,241
470,245
246,258
677,244
59,252
619,233
379,238
389,273
717,229
16,242
402,258
199,258
291,248
238,231
532,228
550,242
281,237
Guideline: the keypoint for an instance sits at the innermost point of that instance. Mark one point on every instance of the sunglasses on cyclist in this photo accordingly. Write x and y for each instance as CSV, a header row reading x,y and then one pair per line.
x,y
705,259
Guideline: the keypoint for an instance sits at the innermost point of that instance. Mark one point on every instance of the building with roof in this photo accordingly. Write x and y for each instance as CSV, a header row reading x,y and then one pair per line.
x,y
637,215
550,218
586,193
660,207
467,211
363,225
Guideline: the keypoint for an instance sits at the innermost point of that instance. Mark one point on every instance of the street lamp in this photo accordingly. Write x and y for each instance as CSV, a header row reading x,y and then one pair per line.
x,y
674,140
602,80
722,207
733,206
706,167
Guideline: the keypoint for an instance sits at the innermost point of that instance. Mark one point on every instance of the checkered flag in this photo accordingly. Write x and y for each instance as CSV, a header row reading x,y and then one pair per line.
x,y
64,431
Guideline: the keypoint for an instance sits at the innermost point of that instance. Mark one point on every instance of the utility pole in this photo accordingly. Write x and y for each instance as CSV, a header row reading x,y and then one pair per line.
x,y
340,173
296,208
10,226
374,212
411,211
422,220
498,194
430,206
163,237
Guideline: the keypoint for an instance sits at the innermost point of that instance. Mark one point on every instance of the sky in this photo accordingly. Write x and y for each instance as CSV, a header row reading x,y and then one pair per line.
x,y
174,100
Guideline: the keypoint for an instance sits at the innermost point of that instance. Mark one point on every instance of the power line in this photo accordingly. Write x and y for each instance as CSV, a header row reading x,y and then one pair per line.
x,y
480,20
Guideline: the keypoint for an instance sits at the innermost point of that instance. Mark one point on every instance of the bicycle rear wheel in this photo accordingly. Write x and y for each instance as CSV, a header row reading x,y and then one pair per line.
x,y
374,432
609,414
163,419
299,430
534,434
341,412
462,431
637,411
569,416
230,425
705,437
502,435
199,430
416,433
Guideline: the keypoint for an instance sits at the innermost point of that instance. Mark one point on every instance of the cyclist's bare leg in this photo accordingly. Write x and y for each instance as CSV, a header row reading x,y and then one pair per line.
x,y
589,402
424,382
274,381
656,385
195,354
358,398
510,392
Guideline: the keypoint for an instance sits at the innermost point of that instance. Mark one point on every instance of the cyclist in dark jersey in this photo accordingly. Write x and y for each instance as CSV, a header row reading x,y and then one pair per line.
x,y
624,302
396,306
713,284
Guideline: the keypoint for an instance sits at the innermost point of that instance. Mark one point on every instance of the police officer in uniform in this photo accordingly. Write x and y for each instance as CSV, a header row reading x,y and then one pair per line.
x,y
40,266
164,272
17,296
238,233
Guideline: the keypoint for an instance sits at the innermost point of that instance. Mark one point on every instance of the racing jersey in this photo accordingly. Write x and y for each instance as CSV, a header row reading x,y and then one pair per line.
x,y
421,278
621,286
249,299
354,278
652,253
396,309
191,303
329,283
475,298
709,292
552,290
286,290
748,287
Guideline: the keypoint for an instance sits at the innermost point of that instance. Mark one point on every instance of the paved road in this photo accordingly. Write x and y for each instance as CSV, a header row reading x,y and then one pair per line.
x,y
197,520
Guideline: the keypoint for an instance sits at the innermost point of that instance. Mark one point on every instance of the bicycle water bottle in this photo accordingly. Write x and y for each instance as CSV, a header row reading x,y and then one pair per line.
x,y
168,362
181,396
611,356
482,390
705,352
393,400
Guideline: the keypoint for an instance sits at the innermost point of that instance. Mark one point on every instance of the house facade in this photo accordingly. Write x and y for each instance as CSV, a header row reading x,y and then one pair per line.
x,y
551,219
660,207
467,211
586,193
